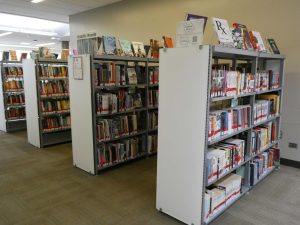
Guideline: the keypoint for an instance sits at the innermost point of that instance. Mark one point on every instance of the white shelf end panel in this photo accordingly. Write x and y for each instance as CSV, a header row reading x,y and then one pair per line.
x,y
182,131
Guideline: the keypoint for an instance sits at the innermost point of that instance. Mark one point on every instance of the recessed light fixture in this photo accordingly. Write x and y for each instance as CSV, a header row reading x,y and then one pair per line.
x,y
16,46
37,1
45,44
24,43
55,38
6,33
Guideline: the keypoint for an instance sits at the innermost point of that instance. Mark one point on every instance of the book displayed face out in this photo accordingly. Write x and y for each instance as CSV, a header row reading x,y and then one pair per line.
x,y
223,32
189,33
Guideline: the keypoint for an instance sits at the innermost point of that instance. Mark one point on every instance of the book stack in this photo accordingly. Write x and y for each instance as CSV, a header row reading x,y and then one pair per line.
x,y
52,71
16,113
225,122
262,136
15,99
152,144
153,75
14,85
224,156
14,71
153,120
231,83
56,123
114,74
119,126
221,194
57,106
54,88
267,105
262,164
153,98
113,153
123,100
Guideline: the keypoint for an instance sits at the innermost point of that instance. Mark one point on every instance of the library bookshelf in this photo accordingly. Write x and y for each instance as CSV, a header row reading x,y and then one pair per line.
x,y
185,188
48,113
110,113
12,100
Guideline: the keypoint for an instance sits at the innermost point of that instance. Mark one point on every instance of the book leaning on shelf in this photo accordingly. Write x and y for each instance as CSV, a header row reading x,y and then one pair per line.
x,y
113,153
54,88
52,71
266,106
227,121
56,123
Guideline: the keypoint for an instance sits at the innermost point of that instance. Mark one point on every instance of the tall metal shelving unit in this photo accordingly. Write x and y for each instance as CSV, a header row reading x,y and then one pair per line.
x,y
37,134
83,109
11,71
182,146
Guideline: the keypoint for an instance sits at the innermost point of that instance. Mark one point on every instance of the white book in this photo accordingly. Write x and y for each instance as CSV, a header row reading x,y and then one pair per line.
x,y
259,41
139,49
105,104
132,76
223,31
189,33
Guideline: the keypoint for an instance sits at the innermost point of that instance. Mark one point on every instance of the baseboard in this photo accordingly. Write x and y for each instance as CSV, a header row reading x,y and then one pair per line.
x,y
289,162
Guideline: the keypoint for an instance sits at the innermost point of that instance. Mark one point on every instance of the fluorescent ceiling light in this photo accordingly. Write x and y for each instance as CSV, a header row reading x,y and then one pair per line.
x,y
45,44
24,43
27,31
37,1
17,46
6,33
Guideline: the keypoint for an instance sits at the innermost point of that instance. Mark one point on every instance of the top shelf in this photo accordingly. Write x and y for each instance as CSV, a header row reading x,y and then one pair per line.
x,y
228,53
11,62
45,60
124,58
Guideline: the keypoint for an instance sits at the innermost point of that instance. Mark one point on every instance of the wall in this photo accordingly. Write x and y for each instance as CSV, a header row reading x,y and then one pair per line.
x,y
140,20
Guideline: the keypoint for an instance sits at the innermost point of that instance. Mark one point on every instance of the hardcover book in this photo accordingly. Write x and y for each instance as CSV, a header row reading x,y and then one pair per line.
x,y
126,47
238,38
257,39
168,42
5,56
13,55
138,49
245,35
223,32
196,17
109,44
273,45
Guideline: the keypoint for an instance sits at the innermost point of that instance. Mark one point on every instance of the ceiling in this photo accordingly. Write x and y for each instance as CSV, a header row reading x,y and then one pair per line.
x,y
56,10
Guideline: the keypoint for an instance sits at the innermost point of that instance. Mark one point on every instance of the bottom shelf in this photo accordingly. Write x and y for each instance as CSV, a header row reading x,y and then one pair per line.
x,y
16,125
48,139
244,191
123,162
213,217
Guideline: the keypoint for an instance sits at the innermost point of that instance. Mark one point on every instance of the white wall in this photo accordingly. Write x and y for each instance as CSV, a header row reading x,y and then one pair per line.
x,y
141,20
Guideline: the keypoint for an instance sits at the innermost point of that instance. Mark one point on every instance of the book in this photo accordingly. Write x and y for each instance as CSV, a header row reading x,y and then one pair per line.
x,y
154,48
126,47
273,45
238,38
189,17
189,33
132,76
257,39
223,31
138,49
168,43
109,44
13,55
23,55
244,32
5,56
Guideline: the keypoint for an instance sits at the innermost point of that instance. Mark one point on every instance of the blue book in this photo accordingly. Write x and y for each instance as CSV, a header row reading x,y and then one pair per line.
x,y
109,44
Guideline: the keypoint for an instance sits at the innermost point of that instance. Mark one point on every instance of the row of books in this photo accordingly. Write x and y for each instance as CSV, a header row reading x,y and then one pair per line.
x,y
15,99
262,164
153,75
56,123
56,87
119,126
114,153
13,71
153,120
55,105
153,98
262,136
11,55
152,143
13,85
16,113
266,106
107,103
223,193
224,156
239,37
227,121
112,74
234,83
51,71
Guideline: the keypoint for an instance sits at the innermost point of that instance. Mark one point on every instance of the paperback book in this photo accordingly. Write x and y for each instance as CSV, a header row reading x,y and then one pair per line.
x,y
223,32
244,32
109,44
126,47
273,45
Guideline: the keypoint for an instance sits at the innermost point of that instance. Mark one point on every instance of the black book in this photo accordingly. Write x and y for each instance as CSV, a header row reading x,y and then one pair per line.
x,y
273,45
